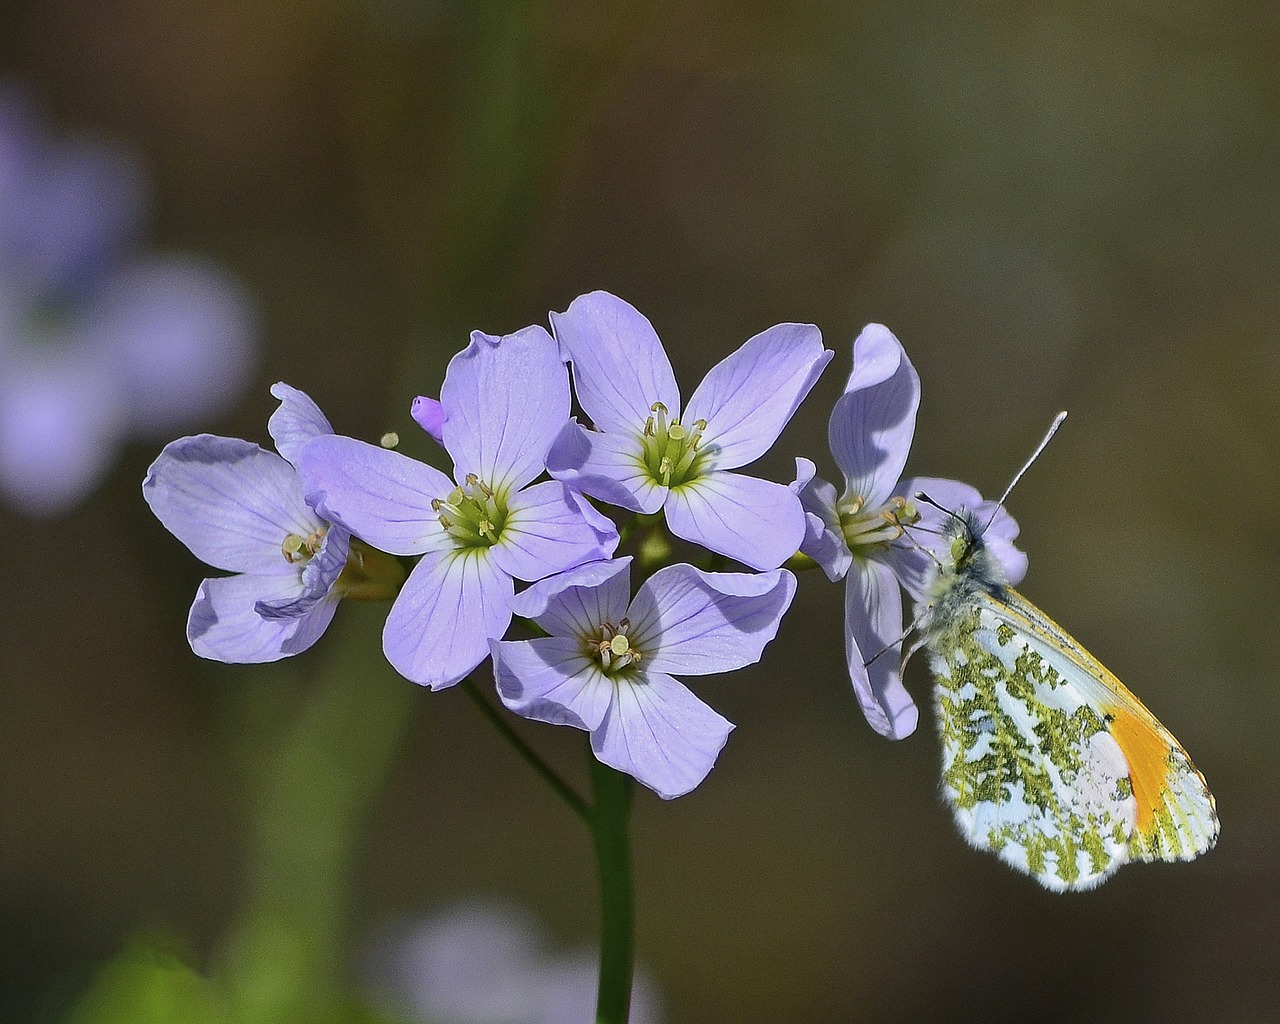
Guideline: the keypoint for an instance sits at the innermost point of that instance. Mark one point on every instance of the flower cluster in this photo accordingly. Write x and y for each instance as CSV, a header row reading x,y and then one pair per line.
x,y
512,532
98,340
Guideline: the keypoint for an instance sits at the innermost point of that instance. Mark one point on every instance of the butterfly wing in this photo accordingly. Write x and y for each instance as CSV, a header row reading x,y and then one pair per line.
x,y
1177,816
1048,760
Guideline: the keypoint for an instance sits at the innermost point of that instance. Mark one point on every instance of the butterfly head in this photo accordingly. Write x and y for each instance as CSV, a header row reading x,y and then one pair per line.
x,y
965,564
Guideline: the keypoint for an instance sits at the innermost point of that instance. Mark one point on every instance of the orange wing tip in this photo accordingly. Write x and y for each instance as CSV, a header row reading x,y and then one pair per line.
x,y
1177,817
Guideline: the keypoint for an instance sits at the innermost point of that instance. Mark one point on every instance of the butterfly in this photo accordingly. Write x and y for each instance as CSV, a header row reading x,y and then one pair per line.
x,y
1048,760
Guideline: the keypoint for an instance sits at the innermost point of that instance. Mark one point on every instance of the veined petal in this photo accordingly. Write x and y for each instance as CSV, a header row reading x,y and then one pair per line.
x,y
606,466
823,538
598,521
694,622
224,626
872,622
750,395
546,532
429,415
873,422
619,366
296,423
450,607
231,502
551,679
381,496
661,734
757,522
318,577
505,400
576,603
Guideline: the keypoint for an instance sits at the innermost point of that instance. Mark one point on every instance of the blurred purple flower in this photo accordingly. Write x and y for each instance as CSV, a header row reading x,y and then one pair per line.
x,y
861,534
502,403
644,454
98,341
604,667
488,963
239,507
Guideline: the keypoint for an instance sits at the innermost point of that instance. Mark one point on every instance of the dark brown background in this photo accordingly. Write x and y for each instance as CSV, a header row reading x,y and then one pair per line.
x,y
1054,206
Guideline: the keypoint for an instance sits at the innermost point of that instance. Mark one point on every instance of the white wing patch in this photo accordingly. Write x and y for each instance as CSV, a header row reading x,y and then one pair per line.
x,y
1028,765
1048,760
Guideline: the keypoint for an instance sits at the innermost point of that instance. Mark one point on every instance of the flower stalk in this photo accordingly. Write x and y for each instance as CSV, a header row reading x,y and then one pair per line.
x,y
610,833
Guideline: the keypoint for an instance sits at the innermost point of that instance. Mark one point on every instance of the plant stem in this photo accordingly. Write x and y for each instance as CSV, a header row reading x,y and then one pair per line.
x,y
610,831
544,770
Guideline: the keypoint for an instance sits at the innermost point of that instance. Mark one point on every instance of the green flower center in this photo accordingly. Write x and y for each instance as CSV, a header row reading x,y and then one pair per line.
x,y
674,453
473,514
868,528
297,548
613,648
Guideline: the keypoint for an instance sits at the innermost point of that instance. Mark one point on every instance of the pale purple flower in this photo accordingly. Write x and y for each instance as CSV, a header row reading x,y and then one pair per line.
x,y
605,667
99,341
503,402
240,508
862,534
484,962
647,453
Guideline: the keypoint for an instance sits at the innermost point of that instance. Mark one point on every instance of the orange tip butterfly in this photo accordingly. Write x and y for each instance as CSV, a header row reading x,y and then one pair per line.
x,y
1048,760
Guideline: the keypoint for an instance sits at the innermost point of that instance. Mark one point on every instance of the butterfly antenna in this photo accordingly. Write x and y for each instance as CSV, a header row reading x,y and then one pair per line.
x,y
921,496
1053,429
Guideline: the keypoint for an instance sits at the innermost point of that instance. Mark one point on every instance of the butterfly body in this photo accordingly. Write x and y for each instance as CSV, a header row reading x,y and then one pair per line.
x,y
1048,760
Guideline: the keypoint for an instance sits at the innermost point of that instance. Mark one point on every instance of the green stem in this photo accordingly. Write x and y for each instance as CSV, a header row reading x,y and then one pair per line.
x,y
544,770
610,832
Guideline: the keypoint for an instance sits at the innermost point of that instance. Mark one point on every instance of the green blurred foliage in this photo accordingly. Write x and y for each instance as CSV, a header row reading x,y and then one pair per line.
x,y
146,986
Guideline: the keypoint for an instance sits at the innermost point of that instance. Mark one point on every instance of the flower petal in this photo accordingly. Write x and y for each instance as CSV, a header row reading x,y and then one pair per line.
x,y
749,396
296,423
619,366
873,622
694,622
184,336
757,522
823,538
62,417
550,680
429,415
873,422
80,205
318,577
231,502
477,961
606,466
576,603
224,626
505,400
661,734
450,607
546,532
381,496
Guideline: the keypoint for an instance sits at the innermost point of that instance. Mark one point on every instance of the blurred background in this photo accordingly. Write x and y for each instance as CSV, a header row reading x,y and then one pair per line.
x,y
1053,206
